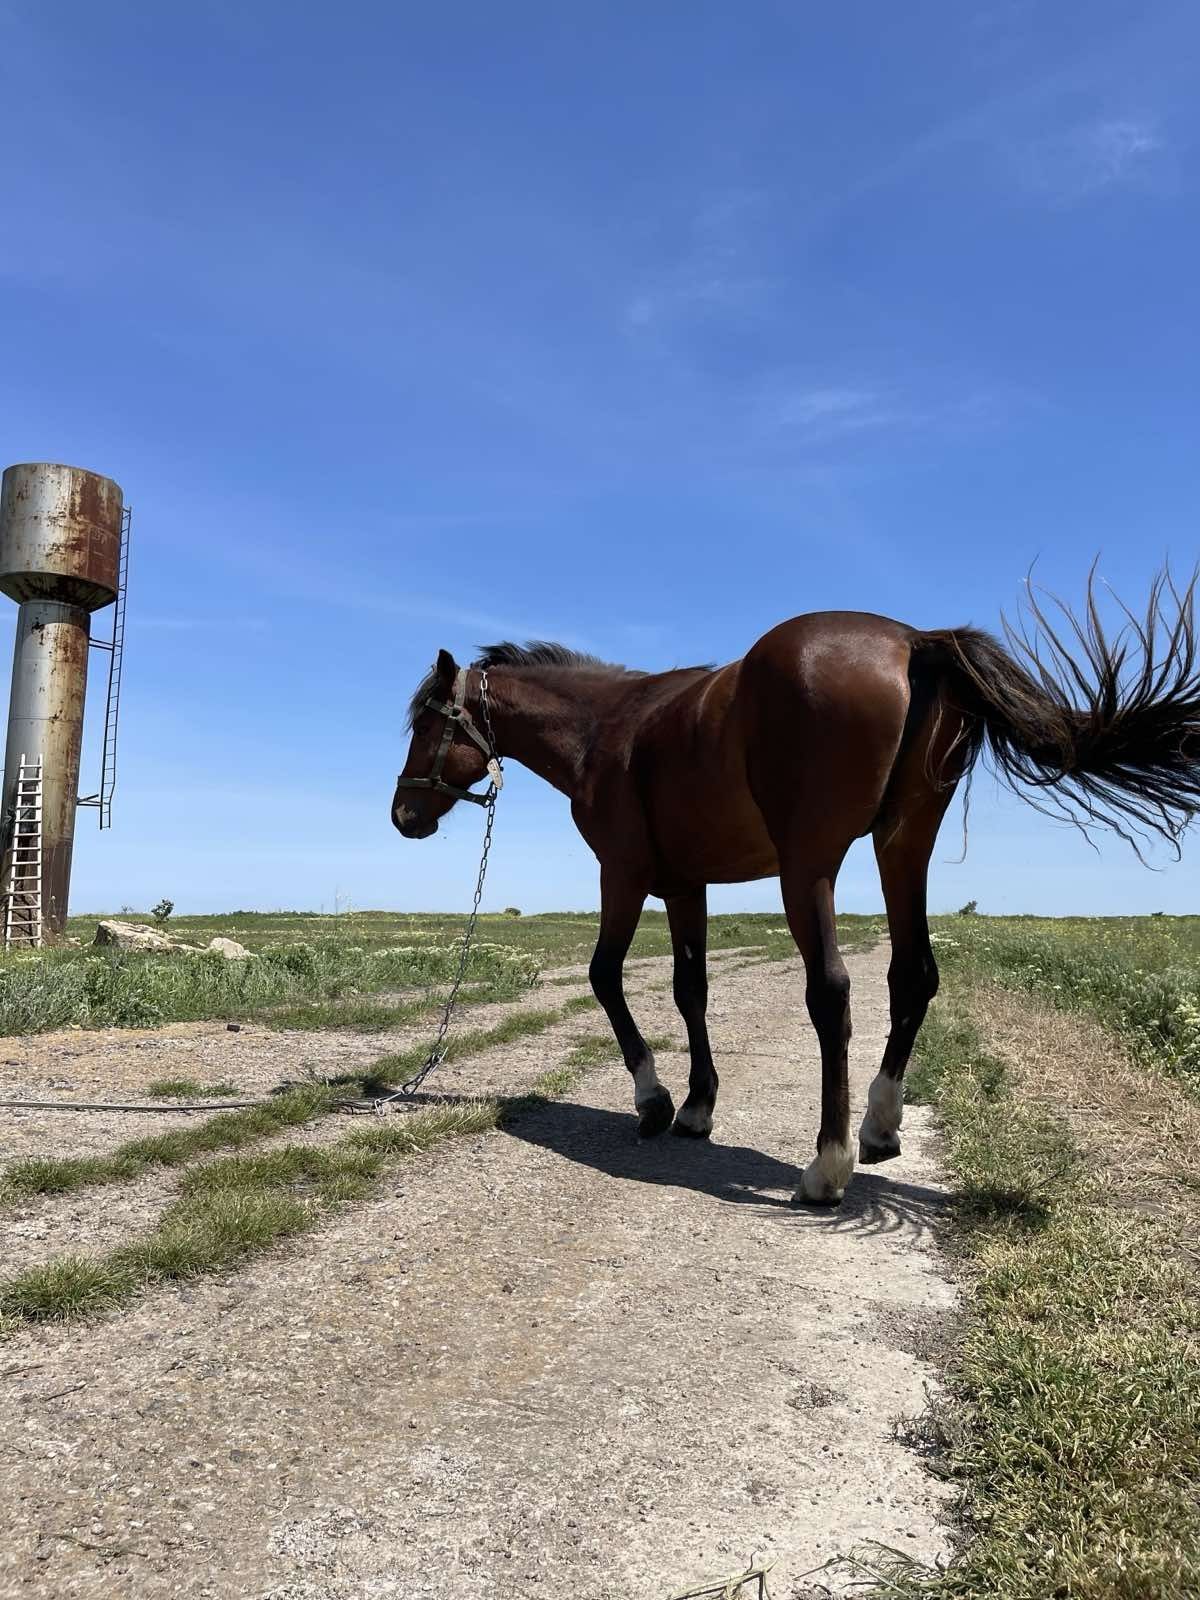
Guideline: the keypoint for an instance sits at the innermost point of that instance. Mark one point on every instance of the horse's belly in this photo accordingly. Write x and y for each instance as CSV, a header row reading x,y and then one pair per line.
x,y
722,845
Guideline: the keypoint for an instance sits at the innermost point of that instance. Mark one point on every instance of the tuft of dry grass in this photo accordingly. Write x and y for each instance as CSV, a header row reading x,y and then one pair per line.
x,y
1130,1118
189,1089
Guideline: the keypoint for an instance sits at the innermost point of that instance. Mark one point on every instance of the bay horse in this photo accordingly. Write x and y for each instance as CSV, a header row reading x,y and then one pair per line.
x,y
834,725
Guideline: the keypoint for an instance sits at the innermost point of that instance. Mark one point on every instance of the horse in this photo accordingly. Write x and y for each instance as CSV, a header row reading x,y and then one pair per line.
x,y
834,725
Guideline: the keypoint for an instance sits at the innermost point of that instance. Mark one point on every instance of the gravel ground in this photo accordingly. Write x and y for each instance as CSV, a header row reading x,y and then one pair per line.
x,y
548,1362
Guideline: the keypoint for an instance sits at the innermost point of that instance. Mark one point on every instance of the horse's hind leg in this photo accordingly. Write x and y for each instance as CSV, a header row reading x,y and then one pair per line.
x,y
688,916
903,846
808,900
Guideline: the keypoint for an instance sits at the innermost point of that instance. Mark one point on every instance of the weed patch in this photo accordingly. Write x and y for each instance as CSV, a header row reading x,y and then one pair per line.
x,y
594,1050
188,1089
1139,976
130,989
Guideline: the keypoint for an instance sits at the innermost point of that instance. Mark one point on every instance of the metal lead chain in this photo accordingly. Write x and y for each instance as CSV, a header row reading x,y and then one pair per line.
x,y
437,1052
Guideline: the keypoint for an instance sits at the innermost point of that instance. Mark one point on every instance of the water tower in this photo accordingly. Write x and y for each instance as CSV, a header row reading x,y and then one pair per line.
x,y
63,555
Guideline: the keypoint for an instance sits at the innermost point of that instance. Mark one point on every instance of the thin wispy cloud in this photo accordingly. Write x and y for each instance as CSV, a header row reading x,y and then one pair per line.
x,y
813,413
835,410
1105,154
823,414
716,266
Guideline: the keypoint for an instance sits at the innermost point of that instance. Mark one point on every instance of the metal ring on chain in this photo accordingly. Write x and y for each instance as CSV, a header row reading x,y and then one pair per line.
x,y
437,1053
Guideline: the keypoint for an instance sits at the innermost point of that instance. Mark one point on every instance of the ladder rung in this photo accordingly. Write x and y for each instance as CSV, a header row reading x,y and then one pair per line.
x,y
23,891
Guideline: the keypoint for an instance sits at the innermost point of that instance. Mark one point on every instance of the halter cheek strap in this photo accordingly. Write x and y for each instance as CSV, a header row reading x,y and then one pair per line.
x,y
457,717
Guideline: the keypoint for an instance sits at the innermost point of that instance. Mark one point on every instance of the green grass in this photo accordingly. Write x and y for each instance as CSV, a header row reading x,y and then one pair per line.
x,y
229,1130
355,1016
470,1041
1140,976
581,1002
188,1089
593,1050
1074,1432
555,938
98,988
242,1205
316,971
377,1016
551,938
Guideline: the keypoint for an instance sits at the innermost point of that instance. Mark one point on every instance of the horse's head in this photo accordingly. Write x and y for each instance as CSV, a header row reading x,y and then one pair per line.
x,y
448,752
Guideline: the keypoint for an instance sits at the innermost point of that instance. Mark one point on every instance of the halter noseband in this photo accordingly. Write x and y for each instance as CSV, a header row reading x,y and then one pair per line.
x,y
457,716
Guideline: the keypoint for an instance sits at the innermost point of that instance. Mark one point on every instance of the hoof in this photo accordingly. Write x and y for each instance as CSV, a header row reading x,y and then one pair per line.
x,y
823,1182
655,1115
869,1154
805,1202
682,1131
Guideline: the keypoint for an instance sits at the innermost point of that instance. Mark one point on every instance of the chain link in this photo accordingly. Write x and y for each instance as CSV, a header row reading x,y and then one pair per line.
x,y
437,1052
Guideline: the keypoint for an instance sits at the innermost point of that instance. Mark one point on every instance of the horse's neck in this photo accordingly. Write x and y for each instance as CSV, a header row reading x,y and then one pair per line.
x,y
545,721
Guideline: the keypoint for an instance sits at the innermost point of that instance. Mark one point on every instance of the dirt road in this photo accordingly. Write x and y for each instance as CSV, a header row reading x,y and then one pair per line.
x,y
547,1362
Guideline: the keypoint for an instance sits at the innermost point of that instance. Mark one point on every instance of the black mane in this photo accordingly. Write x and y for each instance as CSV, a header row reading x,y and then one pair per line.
x,y
540,653
537,653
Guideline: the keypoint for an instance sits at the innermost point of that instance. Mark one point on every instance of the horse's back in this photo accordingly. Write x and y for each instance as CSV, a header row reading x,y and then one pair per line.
x,y
843,640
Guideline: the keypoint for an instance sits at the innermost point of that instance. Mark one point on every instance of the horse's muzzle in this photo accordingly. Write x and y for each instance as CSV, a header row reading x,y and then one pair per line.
x,y
411,825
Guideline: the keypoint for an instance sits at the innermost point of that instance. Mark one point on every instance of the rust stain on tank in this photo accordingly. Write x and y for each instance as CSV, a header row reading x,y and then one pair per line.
x,y
56,885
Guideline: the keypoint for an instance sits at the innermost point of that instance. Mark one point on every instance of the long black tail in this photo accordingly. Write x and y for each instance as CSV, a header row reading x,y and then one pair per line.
x,y
1104,730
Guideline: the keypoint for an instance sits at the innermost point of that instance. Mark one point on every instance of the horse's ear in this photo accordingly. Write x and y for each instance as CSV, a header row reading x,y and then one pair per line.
x,y
447,669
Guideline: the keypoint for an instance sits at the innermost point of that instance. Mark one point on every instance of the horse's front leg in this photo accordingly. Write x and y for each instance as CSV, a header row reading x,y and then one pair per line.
x,y
621,902
688,916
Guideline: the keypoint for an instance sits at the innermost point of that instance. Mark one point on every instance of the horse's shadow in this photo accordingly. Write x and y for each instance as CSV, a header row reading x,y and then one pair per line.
x,y
731,1174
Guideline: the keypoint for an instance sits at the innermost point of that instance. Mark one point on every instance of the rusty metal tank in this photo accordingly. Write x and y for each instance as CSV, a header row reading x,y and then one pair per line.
x,y
60,555
60,535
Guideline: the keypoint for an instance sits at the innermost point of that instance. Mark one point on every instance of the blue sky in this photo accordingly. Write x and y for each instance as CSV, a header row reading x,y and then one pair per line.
x,y
641,327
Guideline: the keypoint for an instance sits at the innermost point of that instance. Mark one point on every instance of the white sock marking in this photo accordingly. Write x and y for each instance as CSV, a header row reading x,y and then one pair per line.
x,y
826,1177
885,1110
645,1081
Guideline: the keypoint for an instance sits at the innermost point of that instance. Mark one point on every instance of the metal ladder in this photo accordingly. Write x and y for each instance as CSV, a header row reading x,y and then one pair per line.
x,y
23,888
103,799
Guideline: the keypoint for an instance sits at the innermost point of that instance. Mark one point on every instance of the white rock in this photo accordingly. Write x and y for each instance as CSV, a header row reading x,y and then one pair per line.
x,y
229,948
130,936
